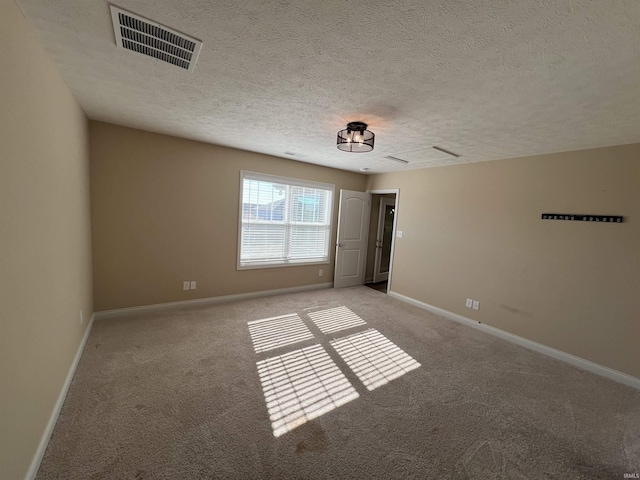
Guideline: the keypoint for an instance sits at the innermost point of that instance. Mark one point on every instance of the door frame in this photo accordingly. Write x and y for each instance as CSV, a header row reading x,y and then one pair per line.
x,y
382,191
377,259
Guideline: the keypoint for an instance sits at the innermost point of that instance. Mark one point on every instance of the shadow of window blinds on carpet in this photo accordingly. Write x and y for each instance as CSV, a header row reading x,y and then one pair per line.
x,y
306,383
335,319
276,332
374,358
302,385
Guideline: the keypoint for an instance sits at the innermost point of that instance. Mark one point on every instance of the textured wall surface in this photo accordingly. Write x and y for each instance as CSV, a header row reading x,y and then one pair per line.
x,y
45,245
487,79
165,210
474,231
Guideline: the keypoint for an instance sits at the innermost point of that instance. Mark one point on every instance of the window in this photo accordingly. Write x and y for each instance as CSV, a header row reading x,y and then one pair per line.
x,y
283,221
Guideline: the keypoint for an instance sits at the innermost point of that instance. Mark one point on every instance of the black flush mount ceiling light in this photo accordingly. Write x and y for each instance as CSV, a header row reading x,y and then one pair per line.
x,y
356,138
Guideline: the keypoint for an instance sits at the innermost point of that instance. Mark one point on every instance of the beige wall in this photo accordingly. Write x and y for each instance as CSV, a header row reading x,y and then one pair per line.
x,y
474,231
165,210
45,246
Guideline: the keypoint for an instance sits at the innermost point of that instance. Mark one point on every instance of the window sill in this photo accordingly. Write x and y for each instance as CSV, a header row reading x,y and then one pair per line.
x,y
256,266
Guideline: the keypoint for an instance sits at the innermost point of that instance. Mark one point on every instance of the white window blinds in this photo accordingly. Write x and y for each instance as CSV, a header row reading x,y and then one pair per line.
x,y
283,221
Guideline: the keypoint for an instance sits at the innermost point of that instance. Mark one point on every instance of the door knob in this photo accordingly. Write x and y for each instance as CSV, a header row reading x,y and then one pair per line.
x,y
341,244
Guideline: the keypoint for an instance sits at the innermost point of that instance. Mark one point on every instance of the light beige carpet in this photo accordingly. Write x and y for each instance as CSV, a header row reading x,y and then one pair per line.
x,y
368,387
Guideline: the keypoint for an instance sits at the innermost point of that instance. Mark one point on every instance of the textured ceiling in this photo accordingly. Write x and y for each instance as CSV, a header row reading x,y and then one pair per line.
x,y
485,79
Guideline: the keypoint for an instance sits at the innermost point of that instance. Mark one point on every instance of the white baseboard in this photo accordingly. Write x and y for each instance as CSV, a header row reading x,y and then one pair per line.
x,y
44,441
537,347
209,300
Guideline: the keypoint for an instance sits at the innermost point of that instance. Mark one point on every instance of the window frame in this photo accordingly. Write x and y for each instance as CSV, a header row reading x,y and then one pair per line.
x,y
296,182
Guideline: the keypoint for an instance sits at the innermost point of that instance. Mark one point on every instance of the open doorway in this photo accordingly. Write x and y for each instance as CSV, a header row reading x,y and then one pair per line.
x,y
381,236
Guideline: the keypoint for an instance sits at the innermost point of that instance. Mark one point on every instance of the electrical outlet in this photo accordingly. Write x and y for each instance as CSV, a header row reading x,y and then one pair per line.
x,y
320,272
476,305
185,285
469,303
193,285
81,317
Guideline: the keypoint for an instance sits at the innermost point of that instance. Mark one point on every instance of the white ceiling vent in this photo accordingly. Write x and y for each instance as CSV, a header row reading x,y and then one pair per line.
x,y
396,159
448,152
141,35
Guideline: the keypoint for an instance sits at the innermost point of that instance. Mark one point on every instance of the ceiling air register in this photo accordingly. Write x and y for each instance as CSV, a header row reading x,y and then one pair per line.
x,y
144,36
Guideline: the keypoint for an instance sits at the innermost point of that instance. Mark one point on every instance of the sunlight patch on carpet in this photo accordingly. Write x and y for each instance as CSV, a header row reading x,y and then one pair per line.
x,y
374,358
335,319
302,385
276,332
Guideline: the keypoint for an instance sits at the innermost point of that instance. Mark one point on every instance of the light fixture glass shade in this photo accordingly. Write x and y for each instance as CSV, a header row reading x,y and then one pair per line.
x,y
356,138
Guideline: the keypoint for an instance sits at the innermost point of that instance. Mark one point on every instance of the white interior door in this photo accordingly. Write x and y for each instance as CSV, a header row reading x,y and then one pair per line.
x,y
384,239
353,232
